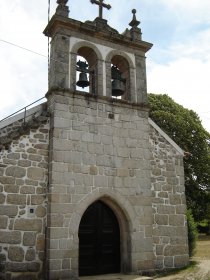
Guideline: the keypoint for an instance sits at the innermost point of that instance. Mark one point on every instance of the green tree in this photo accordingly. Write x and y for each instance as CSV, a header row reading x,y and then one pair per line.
x,y
185,128
192,233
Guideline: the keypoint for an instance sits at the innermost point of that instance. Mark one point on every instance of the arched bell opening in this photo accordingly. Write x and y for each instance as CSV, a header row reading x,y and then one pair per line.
x,y
86,67
120,78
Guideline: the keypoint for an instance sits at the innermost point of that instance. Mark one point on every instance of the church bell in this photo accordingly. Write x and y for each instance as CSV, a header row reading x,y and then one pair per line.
x,y
118,83
83,79
118,88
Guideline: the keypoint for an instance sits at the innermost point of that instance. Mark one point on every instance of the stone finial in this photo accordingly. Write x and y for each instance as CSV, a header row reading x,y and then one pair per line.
x,y
135,31
62,9
134,22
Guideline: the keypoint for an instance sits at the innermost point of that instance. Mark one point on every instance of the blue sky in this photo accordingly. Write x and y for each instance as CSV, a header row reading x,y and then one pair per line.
x,y
178,64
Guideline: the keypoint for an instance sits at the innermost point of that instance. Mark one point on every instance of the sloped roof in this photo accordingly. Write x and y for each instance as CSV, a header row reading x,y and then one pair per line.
x,y
162,133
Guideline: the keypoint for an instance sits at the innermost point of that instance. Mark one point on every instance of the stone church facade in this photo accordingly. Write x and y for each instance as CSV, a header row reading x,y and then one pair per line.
x,y
89,184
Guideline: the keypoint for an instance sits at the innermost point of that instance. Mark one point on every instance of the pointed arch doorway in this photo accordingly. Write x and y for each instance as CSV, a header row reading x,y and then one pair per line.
x,y
99,241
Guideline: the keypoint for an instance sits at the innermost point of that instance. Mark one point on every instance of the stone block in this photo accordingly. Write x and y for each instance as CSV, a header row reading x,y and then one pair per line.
x,y
163,230
10,237
41,146
33,266
104,160
30,255
9,210
7,180
16,199
93,170
173,250
181,261
175,199
179,240
53,244
66,264
57,233
181,209
55,265
1,171
24,163
161,219
137,153
28,225
62,254
168,262
94,148
13,156
16,254
159,249
40,244
2,198
65,208
145,264
40,211
172,180
35,173
11,188
3,222
9,161
29,238
36,158
16,267
37,199
123,173
27,190
163,194
72,157
56,220
15,171
165,209
59,198
30,182
101,181
177,220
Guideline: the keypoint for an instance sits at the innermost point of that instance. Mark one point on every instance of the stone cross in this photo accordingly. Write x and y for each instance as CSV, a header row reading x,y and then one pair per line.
x,y
101,6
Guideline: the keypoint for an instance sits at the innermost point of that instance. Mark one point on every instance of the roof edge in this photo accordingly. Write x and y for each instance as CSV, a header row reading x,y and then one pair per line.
x,y
27,114
155,126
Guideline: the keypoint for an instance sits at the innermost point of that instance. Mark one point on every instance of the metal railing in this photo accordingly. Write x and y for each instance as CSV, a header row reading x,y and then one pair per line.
x,y
24,109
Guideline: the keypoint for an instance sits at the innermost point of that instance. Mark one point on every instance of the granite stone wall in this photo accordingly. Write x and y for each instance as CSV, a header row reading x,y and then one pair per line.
x,y
169,205
23,183
99,149
93,148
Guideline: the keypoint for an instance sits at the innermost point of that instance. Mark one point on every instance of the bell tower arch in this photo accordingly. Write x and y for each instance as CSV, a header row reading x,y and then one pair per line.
x,y
116,66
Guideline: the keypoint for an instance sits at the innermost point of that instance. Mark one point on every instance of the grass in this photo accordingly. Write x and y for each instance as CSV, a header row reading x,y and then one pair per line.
x,y
190,268
203,247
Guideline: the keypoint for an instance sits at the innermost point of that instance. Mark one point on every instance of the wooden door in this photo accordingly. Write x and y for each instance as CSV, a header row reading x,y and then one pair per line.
x,y
99,241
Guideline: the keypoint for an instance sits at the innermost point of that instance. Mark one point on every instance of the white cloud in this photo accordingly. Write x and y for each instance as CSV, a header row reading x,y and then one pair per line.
x,y
186,81
23,74
194,10
181,68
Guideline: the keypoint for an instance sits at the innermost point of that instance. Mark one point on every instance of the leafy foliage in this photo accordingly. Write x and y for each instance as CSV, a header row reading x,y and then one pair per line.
x,y
192,233
185,128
